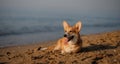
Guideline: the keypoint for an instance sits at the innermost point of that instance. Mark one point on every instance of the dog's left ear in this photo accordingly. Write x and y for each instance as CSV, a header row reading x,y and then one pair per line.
x,y
78,25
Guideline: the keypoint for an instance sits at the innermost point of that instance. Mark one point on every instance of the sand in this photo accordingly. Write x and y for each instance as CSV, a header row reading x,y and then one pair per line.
x,y
103,48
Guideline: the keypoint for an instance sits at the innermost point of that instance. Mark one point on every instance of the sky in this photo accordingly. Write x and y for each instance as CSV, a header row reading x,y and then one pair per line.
x,y
106,8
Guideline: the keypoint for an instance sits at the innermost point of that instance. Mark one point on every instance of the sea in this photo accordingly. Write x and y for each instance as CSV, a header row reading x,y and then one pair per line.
x,y
24,28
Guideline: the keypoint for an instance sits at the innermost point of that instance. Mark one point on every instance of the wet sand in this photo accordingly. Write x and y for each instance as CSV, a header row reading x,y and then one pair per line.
x,y
103,48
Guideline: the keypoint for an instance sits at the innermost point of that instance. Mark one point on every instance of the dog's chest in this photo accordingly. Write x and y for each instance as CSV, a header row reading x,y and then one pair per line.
x,y
70,47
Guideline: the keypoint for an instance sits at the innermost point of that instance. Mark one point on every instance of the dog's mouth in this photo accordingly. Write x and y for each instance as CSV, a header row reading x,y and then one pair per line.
x,y
69,38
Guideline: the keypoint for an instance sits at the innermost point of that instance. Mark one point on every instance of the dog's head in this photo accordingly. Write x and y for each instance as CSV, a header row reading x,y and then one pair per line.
x,y
72,32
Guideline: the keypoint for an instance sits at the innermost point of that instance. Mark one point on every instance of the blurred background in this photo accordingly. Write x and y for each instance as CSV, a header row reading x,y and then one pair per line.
x,y
33,21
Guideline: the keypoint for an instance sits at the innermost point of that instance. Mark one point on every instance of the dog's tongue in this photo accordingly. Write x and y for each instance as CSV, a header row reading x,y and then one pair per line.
x,y
66,41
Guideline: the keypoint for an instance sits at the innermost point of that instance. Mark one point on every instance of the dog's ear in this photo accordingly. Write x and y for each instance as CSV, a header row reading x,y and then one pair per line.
x,y
65,25
78,26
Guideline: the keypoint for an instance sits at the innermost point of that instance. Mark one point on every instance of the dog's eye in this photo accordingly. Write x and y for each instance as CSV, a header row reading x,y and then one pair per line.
x,y
70,31
65,31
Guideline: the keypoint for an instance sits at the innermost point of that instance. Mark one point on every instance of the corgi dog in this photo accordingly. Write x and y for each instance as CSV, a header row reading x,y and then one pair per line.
x,y
71,42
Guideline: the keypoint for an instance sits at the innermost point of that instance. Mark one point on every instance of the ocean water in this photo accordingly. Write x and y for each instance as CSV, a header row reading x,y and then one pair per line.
x,y
27,29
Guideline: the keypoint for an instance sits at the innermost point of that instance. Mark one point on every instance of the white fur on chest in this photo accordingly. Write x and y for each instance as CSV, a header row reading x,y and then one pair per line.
x,y
70,47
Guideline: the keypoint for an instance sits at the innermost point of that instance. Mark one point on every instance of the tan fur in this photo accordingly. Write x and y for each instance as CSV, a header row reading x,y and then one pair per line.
x,y
73,45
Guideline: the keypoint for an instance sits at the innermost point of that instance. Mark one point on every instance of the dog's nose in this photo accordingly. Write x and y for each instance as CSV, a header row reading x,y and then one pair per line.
x,y
65,35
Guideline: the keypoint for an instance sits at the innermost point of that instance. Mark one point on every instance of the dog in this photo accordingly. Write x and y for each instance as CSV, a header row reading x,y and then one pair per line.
x,y
71,42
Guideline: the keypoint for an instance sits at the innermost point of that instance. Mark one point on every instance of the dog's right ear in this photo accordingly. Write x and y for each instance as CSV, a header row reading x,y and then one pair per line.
x,y
65,25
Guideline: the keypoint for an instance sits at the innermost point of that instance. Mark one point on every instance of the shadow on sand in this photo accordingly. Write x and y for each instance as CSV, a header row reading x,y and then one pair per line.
x,y
99,47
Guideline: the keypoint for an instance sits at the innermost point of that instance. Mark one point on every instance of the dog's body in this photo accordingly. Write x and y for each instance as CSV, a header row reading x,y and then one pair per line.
x,y
71,42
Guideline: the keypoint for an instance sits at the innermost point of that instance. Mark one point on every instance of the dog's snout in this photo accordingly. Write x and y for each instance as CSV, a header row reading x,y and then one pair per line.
x,y
65,35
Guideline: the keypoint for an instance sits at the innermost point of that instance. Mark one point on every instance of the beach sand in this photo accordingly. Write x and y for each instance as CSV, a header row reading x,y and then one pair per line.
x,y
103,48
